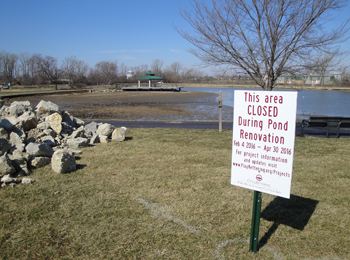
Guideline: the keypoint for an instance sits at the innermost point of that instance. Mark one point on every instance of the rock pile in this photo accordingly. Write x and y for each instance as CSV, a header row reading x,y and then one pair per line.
x,y
111,89
31,139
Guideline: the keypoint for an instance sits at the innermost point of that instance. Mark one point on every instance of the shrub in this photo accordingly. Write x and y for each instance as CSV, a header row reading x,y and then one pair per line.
x,y
80,85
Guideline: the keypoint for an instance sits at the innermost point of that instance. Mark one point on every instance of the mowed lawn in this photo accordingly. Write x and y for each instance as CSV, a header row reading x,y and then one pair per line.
x,y
166,194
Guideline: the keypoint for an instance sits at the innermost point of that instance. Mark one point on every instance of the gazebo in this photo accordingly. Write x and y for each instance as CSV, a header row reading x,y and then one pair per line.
x,y
149,76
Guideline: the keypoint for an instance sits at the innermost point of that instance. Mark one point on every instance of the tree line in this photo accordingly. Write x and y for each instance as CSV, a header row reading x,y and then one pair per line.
x,y
35,69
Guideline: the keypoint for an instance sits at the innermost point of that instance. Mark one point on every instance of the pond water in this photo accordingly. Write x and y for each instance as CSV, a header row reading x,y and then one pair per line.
x,y
310,102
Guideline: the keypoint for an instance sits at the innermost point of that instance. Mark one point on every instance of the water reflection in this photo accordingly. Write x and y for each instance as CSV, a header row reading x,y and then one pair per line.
x,y
310,102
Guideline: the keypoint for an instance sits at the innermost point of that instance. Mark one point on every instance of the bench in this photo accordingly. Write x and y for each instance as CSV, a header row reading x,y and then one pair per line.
x,y
326,121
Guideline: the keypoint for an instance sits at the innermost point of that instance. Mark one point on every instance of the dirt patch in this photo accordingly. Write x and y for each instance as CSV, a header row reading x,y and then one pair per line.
x,y
135,105
130,112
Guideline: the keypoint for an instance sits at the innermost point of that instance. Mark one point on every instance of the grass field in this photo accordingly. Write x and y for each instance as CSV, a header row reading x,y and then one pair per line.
x,y
166,194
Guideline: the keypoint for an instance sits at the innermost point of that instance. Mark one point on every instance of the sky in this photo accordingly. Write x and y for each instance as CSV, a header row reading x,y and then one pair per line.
x,y
133,32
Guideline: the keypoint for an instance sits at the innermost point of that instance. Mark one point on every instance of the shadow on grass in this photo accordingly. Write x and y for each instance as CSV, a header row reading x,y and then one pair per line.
x,y
294,212
80,166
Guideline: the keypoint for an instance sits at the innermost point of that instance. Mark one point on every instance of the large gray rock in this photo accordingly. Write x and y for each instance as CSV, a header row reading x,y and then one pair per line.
x,y
17,108
20,131
26,180
29,120
6,166
16,142
92,127
5,145
46,108
119,134
14,122
63,162
105,129
37,150
68,118
103,139
7,124
18,154
19,162
77,142
35,134
66,129
43,126
78,122
15,138
94,139
80,132
38,162
48,139
9,179
50,132
4,111
72,151
55,122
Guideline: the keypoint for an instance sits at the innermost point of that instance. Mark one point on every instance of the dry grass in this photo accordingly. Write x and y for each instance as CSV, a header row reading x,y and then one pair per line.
x,y
125,112
166,194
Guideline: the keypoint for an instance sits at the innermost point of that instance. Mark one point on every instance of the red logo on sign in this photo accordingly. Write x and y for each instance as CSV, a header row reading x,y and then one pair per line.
x,y
258,177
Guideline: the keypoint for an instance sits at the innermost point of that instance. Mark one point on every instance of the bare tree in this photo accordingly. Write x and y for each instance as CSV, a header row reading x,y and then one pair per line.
x,y
264,38
82,69
8,66
325,63
345,76
140,71
49,69
94,76
34,69
69,67
186,73
143,69
123,70
172,73
108,71
176,68
24,59
156,67
197,74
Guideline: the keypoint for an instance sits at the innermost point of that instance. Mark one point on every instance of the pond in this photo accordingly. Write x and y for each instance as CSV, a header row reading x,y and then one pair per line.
x,y
310,102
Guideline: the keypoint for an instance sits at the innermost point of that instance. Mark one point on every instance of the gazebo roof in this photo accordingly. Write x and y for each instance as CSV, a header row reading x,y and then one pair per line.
x,y
149,76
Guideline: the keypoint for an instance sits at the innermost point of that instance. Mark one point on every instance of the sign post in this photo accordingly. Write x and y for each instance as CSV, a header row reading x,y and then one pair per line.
x,y
263,146
220,111
254,231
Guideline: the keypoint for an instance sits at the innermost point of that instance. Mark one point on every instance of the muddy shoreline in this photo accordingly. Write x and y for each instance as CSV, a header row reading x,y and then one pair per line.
x,y
150,106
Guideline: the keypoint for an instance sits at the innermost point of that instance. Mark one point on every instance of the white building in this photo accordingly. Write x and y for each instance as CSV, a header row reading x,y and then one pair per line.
x,y
130,74
310,79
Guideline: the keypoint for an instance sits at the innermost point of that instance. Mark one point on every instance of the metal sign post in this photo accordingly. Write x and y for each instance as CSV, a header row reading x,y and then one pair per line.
x,y
220,111
254,232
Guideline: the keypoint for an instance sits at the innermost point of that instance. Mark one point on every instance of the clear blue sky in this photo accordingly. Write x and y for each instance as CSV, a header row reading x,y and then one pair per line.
x,y
132,32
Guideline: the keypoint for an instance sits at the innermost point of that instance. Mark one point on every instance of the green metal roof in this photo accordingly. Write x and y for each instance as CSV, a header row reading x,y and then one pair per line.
x,y
150,76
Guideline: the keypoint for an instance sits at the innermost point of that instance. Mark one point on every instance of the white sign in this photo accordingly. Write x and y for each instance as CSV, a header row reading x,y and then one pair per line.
x,y
263,140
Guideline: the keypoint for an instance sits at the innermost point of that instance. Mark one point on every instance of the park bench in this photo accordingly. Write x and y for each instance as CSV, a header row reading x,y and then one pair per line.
x,y
326,121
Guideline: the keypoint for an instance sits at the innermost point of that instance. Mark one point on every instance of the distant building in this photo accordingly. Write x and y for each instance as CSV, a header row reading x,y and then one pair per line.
x,y
130,74
310,79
